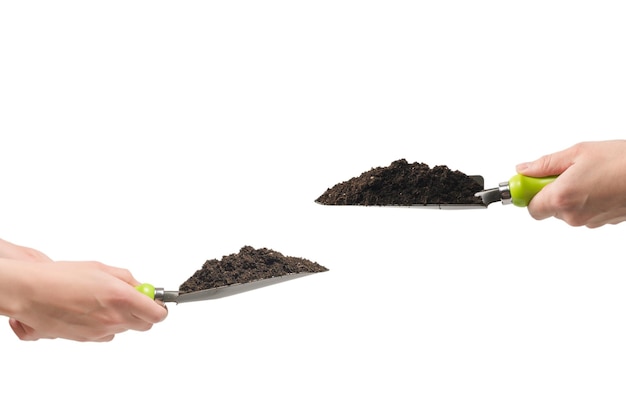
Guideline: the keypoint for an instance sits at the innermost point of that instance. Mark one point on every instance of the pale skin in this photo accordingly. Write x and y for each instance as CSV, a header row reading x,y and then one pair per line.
x,y
74,300
591,188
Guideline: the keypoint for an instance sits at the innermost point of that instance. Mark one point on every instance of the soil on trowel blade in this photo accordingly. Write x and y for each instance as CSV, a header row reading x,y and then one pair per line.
x,y
404,184
246,266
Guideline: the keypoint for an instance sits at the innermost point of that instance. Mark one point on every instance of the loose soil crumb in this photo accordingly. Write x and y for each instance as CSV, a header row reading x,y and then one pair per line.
x,y
246,266
404,184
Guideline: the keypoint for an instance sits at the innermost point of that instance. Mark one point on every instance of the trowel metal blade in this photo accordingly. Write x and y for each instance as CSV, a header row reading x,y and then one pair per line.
x,y
234,289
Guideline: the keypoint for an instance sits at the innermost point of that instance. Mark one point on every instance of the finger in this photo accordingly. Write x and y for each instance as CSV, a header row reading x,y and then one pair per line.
x,y
91,334
550,164
152,315
606,218
104,339
81,334
141,306
140,325
540,207
136,311
86,333
23,331
146,309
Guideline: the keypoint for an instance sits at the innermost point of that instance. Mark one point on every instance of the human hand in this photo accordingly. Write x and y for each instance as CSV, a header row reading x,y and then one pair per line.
x,y
590,189
19,252
81,301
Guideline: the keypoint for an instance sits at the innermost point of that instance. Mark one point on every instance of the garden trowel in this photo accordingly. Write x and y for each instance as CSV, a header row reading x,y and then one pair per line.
x,y
161,295
519,190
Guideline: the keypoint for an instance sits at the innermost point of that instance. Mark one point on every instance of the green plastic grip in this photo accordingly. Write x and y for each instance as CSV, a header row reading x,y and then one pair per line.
x,y
147,289
524,188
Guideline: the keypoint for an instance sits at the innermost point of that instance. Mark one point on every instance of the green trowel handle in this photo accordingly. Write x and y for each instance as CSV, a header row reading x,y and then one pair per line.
x,y
523,188
147,289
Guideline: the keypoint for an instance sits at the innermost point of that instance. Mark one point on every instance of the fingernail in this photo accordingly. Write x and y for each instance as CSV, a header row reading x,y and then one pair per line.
x,y
522,166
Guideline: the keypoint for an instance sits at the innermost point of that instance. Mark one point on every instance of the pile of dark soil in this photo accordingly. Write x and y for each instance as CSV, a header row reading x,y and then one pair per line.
x,y
405,184
246,266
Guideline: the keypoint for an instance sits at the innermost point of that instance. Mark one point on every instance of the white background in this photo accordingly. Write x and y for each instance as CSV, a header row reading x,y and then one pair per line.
x,y
154,135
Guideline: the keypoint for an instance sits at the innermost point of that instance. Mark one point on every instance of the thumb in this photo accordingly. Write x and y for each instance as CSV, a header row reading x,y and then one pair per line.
x,y
23,331
548,165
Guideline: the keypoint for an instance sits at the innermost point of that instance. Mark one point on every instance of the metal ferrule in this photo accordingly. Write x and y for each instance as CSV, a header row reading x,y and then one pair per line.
x,y
505,193
164,296
159,293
